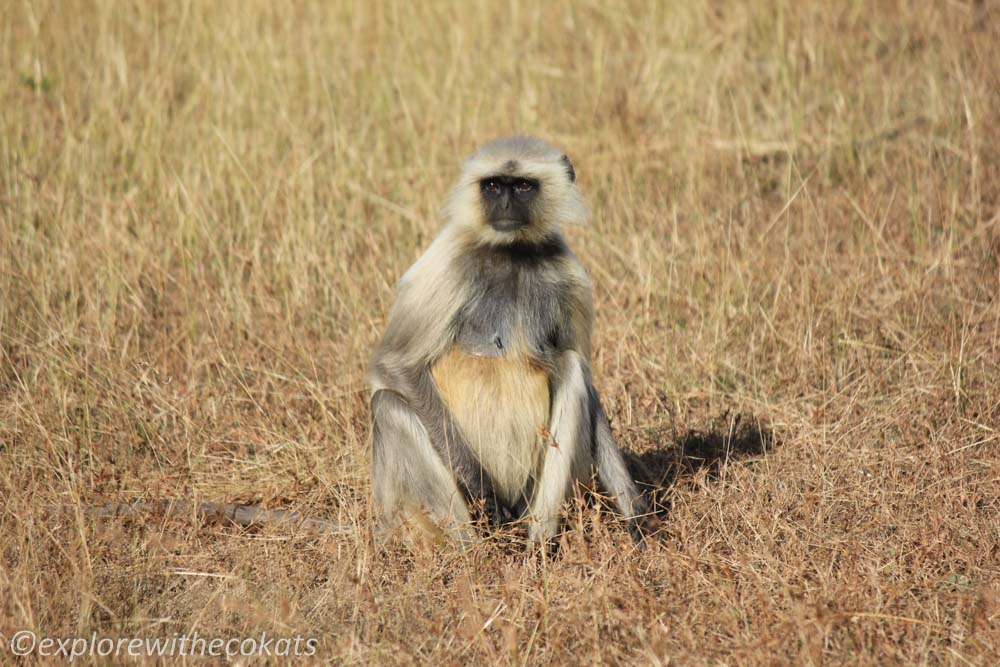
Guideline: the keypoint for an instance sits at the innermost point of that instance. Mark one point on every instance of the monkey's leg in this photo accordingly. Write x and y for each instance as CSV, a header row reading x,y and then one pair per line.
x,y
567,456
612,471
415,387
408,476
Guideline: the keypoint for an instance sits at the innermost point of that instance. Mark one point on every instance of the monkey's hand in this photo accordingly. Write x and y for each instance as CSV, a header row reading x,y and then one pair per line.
x,y
646,524
487,507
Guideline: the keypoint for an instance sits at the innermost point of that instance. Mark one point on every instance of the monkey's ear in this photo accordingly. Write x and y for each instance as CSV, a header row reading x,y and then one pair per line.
x,y
569,169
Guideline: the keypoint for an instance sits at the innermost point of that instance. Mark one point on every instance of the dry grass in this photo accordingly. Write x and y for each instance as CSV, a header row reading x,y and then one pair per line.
x,y
796,254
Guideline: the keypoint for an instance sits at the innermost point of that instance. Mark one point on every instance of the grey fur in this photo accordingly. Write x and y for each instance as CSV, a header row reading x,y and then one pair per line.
x,y
416,397
612,471
415,470
516,289
502,296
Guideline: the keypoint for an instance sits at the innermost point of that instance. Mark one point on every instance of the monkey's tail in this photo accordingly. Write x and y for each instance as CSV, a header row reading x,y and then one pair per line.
x,y
235,514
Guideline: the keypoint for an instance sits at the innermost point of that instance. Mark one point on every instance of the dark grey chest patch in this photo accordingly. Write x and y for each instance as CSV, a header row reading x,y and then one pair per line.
x,y
484,339
519,300
489,327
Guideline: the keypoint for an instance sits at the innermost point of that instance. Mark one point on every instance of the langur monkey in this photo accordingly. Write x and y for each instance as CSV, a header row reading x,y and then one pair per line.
x,y
482,400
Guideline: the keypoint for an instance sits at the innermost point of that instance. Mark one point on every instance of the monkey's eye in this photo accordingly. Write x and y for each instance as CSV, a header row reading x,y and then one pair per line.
x,y
491,187
524,186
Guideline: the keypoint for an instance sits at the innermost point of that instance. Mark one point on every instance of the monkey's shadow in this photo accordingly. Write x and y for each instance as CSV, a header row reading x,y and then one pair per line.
x,y
673,458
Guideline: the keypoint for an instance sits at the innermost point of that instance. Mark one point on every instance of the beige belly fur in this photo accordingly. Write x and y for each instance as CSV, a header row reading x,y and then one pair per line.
x,y
502,406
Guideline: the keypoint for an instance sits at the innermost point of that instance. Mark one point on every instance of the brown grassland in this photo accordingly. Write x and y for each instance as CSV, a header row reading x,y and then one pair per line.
x,y
795,248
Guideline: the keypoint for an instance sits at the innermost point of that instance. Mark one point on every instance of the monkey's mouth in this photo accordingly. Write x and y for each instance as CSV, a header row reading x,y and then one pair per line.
x,y
508,225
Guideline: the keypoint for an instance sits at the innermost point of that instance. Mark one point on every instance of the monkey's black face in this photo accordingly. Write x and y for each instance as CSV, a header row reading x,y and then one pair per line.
x,y
507,201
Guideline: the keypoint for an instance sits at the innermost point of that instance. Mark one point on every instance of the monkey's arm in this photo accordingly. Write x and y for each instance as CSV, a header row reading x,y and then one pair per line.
x,y
419,330
612,472
579,417
580,424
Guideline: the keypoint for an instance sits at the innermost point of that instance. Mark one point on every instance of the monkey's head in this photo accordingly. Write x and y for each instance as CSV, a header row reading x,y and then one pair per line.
x,y
515,190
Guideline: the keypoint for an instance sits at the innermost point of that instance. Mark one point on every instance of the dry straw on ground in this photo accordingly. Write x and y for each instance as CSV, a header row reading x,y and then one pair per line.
x,y
796,254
